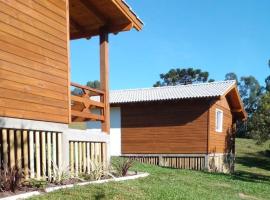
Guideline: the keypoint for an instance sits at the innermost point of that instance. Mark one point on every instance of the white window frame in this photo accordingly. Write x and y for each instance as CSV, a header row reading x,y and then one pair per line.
x,y
220,128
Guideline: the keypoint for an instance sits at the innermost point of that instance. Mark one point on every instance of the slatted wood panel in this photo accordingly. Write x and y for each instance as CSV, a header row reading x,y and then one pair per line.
x,y
220,142
164,127
36,152
84,156
178,162
34,60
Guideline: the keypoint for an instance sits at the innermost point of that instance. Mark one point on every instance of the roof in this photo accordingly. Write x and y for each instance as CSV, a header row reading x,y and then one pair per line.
x,y
88,17
219,89
200,90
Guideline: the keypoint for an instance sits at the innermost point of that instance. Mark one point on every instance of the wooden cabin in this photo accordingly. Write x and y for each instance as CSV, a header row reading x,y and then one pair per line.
x,y
184,126
36,104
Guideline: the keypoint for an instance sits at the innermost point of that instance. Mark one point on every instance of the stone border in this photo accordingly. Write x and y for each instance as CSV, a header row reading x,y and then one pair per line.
x,y
52,189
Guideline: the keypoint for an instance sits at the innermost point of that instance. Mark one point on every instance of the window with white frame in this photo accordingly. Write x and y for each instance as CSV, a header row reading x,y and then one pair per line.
x,y
219,120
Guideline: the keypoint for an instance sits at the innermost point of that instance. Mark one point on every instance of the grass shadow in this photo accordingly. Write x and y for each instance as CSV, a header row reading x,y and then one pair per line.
x,y
250,177
260,160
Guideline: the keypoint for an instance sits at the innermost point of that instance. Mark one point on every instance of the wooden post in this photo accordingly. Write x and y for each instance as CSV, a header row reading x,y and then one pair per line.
x,y
37,155
49,156
59,140
25,154
5,146
76,158
84,156
93,155
31,152
54,154
88,157
43,153
104,78
19,148
80,157
12,148
71,157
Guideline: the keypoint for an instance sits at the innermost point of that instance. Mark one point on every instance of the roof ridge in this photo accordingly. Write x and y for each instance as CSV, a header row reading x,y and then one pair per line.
x,y
175,86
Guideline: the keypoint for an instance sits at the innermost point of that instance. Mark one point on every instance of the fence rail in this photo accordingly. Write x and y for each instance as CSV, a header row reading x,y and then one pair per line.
x,y
180,162
81,103
36,152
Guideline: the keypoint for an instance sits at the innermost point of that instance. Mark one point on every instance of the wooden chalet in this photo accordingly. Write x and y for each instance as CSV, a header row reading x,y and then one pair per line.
x,y
185,126
36,104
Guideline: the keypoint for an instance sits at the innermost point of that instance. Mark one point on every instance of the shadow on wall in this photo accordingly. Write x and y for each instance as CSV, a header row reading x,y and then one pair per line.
x,y
226,162
160,114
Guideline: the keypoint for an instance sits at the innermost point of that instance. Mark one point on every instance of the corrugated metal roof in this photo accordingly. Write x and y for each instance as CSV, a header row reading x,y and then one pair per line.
x,y
200,90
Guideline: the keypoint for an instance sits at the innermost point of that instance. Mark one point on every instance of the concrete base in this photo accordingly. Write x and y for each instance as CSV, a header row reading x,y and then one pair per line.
x,y
221,162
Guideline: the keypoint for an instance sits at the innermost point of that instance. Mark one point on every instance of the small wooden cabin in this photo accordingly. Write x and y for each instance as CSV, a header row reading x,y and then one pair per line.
x,y
185,126
36,104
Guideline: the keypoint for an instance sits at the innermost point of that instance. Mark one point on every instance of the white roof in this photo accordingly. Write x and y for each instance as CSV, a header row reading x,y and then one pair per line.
x,y
200,90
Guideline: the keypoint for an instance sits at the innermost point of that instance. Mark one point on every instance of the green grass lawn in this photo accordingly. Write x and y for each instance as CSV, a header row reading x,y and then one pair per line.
x,y
251,181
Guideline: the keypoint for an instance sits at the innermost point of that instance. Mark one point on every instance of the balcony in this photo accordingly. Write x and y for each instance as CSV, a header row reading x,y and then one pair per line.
x,y
87,104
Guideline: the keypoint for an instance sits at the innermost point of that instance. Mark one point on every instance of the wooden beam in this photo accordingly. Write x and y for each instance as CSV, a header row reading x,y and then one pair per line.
x,y
104,78
97,91
87,101
93,9
113,28
87,115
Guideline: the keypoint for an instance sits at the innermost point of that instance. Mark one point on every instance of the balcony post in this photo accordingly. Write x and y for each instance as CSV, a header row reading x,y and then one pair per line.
x,y
104,78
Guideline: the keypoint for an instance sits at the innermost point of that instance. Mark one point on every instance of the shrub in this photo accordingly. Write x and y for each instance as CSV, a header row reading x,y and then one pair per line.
x,y
10,178
36,183
122,165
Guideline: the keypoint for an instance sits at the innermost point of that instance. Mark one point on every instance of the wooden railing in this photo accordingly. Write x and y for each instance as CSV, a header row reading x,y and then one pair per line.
x,y
87,104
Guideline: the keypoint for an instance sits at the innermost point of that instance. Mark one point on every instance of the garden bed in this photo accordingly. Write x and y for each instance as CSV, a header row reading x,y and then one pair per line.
x,y
26,192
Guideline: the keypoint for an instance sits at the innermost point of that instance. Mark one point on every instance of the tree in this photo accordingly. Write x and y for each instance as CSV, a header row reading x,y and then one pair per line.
x,y
182,76
93,84
231,76
259,126
267,80
250,92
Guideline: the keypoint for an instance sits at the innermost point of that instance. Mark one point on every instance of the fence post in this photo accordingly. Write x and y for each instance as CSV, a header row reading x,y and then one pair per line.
x,y
37,155
25,154
161,162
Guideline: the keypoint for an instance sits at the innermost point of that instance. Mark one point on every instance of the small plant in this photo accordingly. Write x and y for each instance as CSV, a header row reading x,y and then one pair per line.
x,y
10,178
60,174
122,165
36,183
97,172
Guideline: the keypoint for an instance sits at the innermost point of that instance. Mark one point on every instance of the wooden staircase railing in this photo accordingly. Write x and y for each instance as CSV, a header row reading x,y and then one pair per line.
x,y
84,101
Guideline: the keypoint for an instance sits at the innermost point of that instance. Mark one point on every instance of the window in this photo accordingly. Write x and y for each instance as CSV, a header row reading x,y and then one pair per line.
x,y
219,120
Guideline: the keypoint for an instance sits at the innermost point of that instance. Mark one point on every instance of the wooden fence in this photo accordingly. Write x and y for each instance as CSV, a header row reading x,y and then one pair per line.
x,y
175,161
38,153
84,156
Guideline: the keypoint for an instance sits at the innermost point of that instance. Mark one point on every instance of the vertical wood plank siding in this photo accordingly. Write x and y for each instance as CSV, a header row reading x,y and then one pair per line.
x,y
29,149
220,142
165,127
87,156
34,68
178,162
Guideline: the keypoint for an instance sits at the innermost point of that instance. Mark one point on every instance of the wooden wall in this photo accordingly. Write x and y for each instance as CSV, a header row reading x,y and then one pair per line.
x,y
219,142
165,127
34,72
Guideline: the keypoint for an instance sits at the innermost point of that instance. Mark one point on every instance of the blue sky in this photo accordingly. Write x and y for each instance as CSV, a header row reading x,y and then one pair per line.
x,y
216,36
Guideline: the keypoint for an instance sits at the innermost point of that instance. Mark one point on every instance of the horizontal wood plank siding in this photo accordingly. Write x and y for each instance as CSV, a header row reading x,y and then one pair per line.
x,y
34,60
219,142
164,128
